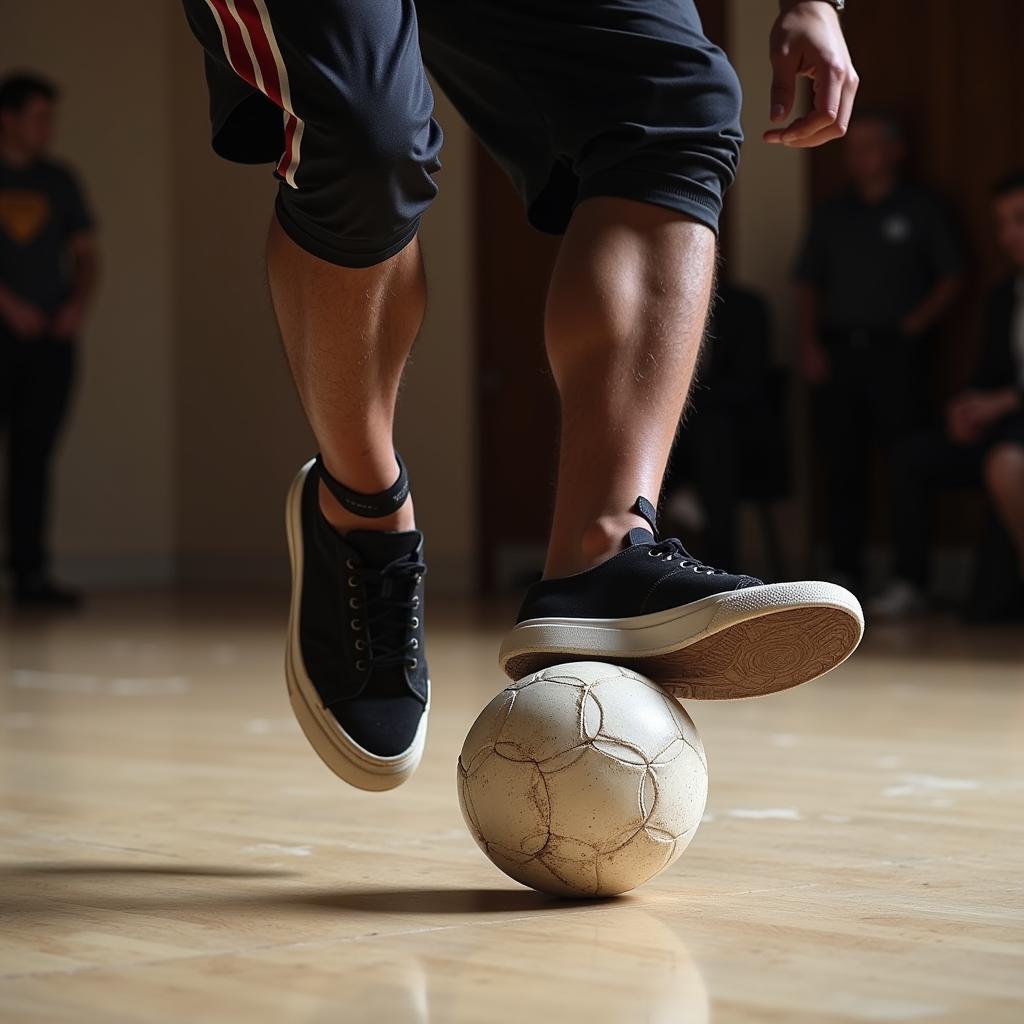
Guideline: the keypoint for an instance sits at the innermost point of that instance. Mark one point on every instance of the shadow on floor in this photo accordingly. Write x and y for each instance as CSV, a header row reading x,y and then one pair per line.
x,y
42,890
85,869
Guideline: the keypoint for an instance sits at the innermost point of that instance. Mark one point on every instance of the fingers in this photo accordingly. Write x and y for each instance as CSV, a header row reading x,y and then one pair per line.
x,y
784,70
835,87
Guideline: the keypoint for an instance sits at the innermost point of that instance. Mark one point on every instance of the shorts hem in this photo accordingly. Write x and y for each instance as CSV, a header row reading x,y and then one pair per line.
x,y
335,251
702,204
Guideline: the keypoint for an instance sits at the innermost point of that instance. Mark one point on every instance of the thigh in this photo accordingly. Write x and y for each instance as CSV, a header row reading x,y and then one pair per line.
x,y
44,375
334,92
900,375
1009,430
607,97
931,458
842,412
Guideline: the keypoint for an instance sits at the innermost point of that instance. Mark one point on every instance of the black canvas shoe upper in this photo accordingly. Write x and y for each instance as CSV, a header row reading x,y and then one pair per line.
x,y
361,627
647,575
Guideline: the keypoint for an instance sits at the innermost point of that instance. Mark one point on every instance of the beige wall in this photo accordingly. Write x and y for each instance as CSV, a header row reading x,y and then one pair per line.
x,y
240,434
767,206
115,481
187,431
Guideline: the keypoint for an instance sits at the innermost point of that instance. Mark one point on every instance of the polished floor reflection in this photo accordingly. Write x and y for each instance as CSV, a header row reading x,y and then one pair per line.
x,y
170,850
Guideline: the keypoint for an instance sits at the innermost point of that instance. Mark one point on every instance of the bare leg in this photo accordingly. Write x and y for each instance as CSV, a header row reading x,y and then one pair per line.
x,y
347,334
1004,475
625,315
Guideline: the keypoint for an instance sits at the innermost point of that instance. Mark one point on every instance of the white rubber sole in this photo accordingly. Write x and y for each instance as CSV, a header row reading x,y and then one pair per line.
x,y
743,643
342,754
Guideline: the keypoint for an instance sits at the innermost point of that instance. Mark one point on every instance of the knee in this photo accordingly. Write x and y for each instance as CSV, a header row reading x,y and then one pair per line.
x,y
1004,469
364,180
387,143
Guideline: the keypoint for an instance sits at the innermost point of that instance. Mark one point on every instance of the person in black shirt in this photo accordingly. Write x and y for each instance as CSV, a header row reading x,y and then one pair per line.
x,y
47,270
982,442
879,267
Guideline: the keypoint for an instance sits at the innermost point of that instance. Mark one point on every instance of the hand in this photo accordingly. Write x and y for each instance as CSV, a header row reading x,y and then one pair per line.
x,y
816,367
67,321
970,413
806,41
960,424
22,317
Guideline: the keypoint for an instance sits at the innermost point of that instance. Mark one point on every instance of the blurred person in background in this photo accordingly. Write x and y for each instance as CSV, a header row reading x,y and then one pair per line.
x,y
879,268
47,273
981,443
708,473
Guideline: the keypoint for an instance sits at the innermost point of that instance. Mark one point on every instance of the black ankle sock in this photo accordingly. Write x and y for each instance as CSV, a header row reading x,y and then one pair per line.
x,y
370,506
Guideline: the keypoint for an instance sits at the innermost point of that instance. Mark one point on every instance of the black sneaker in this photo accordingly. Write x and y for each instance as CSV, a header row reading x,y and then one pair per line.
x,y
698,631
357,675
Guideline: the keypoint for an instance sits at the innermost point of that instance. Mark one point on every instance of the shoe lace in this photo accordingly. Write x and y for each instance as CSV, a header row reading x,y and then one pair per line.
x,y
387,613
671,548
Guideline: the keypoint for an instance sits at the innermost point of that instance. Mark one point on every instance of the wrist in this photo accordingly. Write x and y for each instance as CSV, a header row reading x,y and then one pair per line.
x,y
788,5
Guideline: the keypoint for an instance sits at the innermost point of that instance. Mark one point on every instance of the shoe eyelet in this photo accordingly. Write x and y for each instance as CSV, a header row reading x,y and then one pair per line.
x,y
360,645
415,644
414,663
651,553
361,665
353,603
349,564
353,581
415,622
416,601
356,624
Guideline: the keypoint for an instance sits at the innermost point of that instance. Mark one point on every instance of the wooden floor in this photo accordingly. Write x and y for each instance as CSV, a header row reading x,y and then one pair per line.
x,y
171,850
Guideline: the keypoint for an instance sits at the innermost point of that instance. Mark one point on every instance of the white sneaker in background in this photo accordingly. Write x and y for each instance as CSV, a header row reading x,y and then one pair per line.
x,y
899,600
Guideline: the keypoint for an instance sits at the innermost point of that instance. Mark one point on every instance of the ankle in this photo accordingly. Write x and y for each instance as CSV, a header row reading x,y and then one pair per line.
x,y
597,542
373,495
342,520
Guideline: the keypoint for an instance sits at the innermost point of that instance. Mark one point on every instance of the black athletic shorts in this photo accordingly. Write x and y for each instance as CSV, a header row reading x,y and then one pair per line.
x,y
575,98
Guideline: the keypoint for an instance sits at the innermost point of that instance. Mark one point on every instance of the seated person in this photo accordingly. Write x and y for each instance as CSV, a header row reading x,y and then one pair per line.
x,y
982,441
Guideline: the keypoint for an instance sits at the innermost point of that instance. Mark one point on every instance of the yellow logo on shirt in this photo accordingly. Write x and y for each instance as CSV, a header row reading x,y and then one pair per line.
x,y
23,214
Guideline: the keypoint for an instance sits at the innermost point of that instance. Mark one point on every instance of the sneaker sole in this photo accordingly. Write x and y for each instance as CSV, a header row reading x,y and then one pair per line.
x,y
342,754
744,643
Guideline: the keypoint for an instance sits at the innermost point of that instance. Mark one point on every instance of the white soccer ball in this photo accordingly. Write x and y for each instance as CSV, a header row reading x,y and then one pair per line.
x,y
584,779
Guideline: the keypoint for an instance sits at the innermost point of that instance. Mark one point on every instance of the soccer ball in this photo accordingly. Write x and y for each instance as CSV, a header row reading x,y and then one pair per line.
x,y
583,779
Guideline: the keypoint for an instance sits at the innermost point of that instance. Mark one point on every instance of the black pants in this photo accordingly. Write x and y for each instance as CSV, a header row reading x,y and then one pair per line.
x,y
708,455
875,396
921,468
35,385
